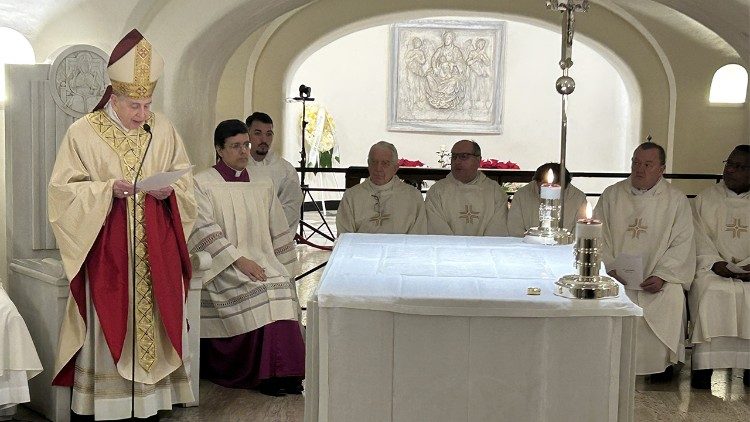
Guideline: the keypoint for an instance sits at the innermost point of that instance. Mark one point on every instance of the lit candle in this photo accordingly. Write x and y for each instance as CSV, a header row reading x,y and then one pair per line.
x,y
550,190
588,228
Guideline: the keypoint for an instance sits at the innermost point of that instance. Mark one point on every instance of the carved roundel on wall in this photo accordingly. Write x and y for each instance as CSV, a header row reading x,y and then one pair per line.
x,y
78,78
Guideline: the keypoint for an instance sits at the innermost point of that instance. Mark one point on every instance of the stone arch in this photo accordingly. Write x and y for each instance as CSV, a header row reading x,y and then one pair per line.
x,y
314,26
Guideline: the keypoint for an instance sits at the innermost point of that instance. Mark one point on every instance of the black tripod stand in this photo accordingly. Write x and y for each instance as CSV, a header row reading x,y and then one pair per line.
x,y
304,97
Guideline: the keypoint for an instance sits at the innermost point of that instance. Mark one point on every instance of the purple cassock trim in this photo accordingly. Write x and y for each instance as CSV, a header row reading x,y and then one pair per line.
x,y
275,350
229,174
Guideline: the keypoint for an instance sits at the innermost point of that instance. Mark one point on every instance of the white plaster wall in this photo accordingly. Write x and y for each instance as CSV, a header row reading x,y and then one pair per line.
x,y
601,130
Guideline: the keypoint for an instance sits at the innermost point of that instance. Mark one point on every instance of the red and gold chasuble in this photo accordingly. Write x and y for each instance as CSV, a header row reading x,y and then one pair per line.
x,y
162,262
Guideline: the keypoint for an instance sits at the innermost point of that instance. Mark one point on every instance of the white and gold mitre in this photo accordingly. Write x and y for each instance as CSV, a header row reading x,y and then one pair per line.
x,y
134,67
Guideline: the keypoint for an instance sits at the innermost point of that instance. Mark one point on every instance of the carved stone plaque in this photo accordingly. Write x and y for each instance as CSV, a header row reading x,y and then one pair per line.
x,y
78,79
447,76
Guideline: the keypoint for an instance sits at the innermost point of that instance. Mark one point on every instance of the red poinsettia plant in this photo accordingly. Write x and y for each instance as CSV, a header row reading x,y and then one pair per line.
x,y
403,162
495,164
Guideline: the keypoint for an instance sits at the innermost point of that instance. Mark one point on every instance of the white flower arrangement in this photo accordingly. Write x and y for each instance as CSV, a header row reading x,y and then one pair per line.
x,y
320,137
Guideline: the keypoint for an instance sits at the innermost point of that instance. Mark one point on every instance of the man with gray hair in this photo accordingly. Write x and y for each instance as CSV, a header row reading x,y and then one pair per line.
x,y
382,203
466,202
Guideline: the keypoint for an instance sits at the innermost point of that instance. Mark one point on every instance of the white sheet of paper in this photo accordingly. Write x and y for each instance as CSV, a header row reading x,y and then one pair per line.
x,y
736,269
161,180
630,269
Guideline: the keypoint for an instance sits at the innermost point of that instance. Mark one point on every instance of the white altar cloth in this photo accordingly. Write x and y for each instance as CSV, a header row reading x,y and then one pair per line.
x,y
440,328
19,361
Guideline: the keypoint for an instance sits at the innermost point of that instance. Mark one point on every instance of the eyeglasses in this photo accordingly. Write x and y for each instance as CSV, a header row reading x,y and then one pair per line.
x,y
463,156
238,147
735,166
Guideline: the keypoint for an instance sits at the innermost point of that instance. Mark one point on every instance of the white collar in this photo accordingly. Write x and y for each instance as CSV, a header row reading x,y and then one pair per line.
x,y
381,188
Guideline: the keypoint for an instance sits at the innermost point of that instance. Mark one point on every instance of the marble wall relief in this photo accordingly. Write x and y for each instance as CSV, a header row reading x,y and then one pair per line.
x,y
446,76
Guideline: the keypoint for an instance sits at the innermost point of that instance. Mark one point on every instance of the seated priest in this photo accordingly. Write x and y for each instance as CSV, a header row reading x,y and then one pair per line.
x,y
524,209
265,162
382,203
648,246
720,295
466,202
250,331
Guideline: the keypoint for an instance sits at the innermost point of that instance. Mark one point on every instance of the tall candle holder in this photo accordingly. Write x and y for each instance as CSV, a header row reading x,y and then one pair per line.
x,y
588,283
550,231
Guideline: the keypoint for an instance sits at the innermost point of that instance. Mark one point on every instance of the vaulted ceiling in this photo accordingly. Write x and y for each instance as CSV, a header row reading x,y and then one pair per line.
x,y
728,19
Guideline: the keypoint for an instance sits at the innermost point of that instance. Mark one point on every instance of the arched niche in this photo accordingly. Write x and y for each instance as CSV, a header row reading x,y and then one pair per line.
x,y
318,24
350,77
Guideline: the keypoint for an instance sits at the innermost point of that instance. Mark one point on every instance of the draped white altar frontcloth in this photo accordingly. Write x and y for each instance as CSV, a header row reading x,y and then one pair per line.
x,y
440,328
19,361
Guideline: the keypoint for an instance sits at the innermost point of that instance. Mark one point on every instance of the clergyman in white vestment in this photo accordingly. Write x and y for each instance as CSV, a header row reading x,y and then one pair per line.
x,y
265,162
250,332
647,224
720,295
466,202
19,361
382,203
90,205
524,209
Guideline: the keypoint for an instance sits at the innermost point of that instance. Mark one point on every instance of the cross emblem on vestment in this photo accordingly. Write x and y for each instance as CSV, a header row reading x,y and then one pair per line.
x,y
736,228
468,214
636,228
379,218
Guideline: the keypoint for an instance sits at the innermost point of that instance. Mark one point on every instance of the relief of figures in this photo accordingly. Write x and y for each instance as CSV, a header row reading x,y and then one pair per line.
x,y
479,65
447,78
416,61
80,81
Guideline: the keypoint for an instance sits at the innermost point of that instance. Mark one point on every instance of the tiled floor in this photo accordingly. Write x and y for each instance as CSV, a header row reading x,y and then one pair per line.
x,y
728,399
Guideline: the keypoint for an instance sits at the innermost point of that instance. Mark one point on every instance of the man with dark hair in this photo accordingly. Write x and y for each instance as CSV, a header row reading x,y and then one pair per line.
x,y
250,334
648,240
265,162
524,210
720,295
466,202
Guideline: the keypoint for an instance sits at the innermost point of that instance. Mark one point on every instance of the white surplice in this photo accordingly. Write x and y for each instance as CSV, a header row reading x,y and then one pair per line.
x,y
243,219
19,361
477,208
395,208
657,225
285,181
720,306
524,209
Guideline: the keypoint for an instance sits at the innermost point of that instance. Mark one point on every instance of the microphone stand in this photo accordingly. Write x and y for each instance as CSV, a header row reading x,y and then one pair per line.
x,y
134,239
304,97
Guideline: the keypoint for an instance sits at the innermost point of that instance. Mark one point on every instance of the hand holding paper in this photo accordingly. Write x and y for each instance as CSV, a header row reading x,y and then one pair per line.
x,y
737,269
161,180
630,269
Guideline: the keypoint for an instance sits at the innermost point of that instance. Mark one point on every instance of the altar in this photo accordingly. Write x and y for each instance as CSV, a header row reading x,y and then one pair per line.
x,y
441,328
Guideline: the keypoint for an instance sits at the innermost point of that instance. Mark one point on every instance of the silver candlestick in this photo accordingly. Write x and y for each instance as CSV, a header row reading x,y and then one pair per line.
x,y
588,283
550,214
